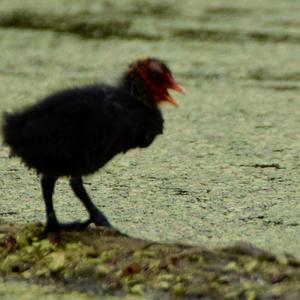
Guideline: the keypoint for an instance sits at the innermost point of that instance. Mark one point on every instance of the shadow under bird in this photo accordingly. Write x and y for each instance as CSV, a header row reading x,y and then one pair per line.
x,y
76,131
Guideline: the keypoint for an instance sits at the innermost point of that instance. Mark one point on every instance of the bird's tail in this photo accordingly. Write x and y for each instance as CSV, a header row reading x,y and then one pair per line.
x,y
11,130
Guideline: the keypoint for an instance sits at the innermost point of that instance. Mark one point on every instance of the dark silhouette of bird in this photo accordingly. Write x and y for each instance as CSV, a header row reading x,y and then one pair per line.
x,y
76,131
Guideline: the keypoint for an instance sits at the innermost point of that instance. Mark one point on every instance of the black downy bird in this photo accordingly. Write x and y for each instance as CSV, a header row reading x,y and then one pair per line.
x,y
74,132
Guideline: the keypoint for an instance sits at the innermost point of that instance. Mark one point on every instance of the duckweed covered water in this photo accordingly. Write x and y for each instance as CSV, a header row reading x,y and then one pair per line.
x,y
226,168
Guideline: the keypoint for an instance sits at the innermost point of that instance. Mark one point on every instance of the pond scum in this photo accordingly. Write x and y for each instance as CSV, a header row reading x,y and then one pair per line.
x,y
106,262
261,42
83,25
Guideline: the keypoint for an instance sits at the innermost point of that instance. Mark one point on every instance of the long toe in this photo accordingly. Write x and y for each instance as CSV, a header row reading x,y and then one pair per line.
x,y
77,225
52,226
74,226
100,220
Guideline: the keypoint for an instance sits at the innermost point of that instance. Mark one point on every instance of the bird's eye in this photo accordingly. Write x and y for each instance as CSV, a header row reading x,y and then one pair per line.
x,y
156,76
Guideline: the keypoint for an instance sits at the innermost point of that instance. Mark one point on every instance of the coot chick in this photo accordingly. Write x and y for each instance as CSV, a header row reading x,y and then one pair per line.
x,y
74,132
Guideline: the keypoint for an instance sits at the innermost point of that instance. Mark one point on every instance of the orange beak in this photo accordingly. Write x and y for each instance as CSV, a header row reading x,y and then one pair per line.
x,y
176,87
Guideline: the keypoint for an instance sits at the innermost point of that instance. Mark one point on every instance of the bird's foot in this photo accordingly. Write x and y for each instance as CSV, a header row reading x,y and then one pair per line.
x,y
73,226
100,220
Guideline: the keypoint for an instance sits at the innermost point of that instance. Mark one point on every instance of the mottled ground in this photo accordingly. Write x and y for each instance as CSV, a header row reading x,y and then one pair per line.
x,y
226,168
101,262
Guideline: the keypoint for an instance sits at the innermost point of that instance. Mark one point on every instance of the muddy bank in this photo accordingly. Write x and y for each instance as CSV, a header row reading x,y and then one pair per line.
x,y
105,262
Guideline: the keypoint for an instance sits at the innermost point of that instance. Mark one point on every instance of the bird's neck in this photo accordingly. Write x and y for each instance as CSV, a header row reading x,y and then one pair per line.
x,y
137,87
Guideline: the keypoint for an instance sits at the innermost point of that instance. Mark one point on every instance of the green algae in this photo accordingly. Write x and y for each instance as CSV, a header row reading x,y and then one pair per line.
x,y
226,36
227,10
262,75
86,26
10,289
227,167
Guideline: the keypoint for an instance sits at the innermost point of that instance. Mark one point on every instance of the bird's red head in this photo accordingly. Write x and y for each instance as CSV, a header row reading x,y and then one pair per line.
x,y
158,79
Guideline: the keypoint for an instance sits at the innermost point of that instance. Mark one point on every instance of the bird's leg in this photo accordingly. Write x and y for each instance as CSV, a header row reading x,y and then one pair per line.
x,y
48,183
52,224
96,216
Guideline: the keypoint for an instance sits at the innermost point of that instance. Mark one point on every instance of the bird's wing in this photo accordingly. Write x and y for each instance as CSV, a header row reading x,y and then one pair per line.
x,y
121,127
99,122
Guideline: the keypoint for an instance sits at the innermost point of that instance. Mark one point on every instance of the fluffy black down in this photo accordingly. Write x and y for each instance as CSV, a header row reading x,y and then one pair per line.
x,y
77,131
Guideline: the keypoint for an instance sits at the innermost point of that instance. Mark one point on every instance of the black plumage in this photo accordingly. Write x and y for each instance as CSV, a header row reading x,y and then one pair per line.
x,y
75,132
